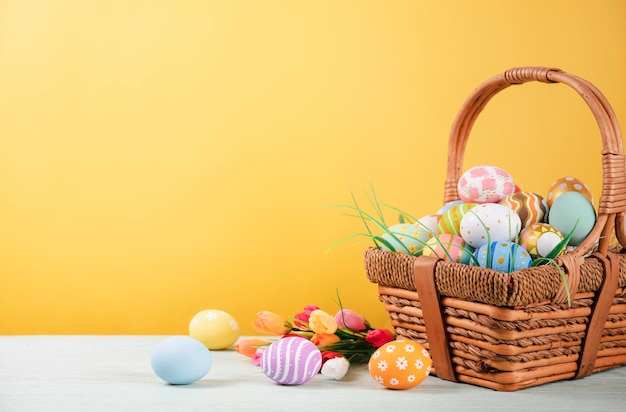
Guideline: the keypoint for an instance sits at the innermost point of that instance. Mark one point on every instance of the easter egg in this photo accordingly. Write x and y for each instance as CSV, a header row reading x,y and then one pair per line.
x,y
406,238
448,247
215,328
503,256
448,205
568,209
489,222
400,364
568,184
530,207
180,360
450,221
428,222
291,361
485,184
539,239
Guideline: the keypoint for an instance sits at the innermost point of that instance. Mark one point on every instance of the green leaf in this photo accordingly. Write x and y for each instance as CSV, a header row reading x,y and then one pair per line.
x,y
376,204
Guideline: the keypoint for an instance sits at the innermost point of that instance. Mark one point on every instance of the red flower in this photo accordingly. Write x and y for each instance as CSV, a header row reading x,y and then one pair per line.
x,y
326,355
304,316
378,337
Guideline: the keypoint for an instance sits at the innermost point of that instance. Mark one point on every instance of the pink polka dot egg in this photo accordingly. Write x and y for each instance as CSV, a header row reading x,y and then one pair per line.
x,y
485,184
400,364
291,361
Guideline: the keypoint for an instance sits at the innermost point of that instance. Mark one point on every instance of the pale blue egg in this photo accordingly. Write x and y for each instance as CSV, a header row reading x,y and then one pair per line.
x,y
406,238
180,360
503,256
569,208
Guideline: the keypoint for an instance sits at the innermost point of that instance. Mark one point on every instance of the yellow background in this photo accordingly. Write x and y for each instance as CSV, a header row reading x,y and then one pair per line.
x,y
158,158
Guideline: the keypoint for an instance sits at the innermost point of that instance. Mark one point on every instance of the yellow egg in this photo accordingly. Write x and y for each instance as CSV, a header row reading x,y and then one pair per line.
x,y
400,364
216,329
568,184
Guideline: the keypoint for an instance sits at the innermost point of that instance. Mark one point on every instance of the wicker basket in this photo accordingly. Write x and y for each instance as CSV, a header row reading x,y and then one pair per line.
x,y
510,331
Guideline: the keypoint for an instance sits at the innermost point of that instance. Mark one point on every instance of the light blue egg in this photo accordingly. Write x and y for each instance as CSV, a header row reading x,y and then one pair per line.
x,y
503,256
569,208
406,238
180,360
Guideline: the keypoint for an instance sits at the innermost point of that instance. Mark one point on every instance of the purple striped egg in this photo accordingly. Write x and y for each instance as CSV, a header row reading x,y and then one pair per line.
x,y
291,361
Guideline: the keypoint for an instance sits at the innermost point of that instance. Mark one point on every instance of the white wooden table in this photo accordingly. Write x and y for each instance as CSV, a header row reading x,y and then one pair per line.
x,y
113,373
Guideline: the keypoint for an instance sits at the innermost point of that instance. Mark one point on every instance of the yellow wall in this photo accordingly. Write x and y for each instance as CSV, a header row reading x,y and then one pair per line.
x,y
158,158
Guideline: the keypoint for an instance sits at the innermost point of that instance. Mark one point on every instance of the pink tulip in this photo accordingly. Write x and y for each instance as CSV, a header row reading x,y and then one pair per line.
x,y
346,318
256,359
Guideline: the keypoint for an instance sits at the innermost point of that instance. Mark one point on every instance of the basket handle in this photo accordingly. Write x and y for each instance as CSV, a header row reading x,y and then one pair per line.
x,y
612,202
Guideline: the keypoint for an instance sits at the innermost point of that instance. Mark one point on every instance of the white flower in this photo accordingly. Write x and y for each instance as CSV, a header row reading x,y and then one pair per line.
x,y
394,381
409,348
425,353
419,364
411,378
382,365
336,368
402,363
390,348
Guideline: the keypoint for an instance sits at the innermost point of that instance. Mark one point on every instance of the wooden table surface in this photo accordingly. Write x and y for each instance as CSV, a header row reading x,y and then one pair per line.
x,y
113,373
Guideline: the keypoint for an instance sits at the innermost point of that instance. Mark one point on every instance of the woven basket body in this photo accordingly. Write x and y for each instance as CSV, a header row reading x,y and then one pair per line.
x,y
510,331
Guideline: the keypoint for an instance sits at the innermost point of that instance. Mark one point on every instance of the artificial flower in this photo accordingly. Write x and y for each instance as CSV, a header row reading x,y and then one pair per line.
x,y
342,339
304,316
272,323
248,347
326,355
347,318
378,337
256,359
335,368
322,322
325,339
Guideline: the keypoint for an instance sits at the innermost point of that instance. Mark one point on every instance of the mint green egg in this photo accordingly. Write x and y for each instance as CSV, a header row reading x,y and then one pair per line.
x,y
568,209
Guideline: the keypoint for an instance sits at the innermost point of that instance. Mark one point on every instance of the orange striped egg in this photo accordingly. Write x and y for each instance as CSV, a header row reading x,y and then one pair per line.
x,y
531,207
450,220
